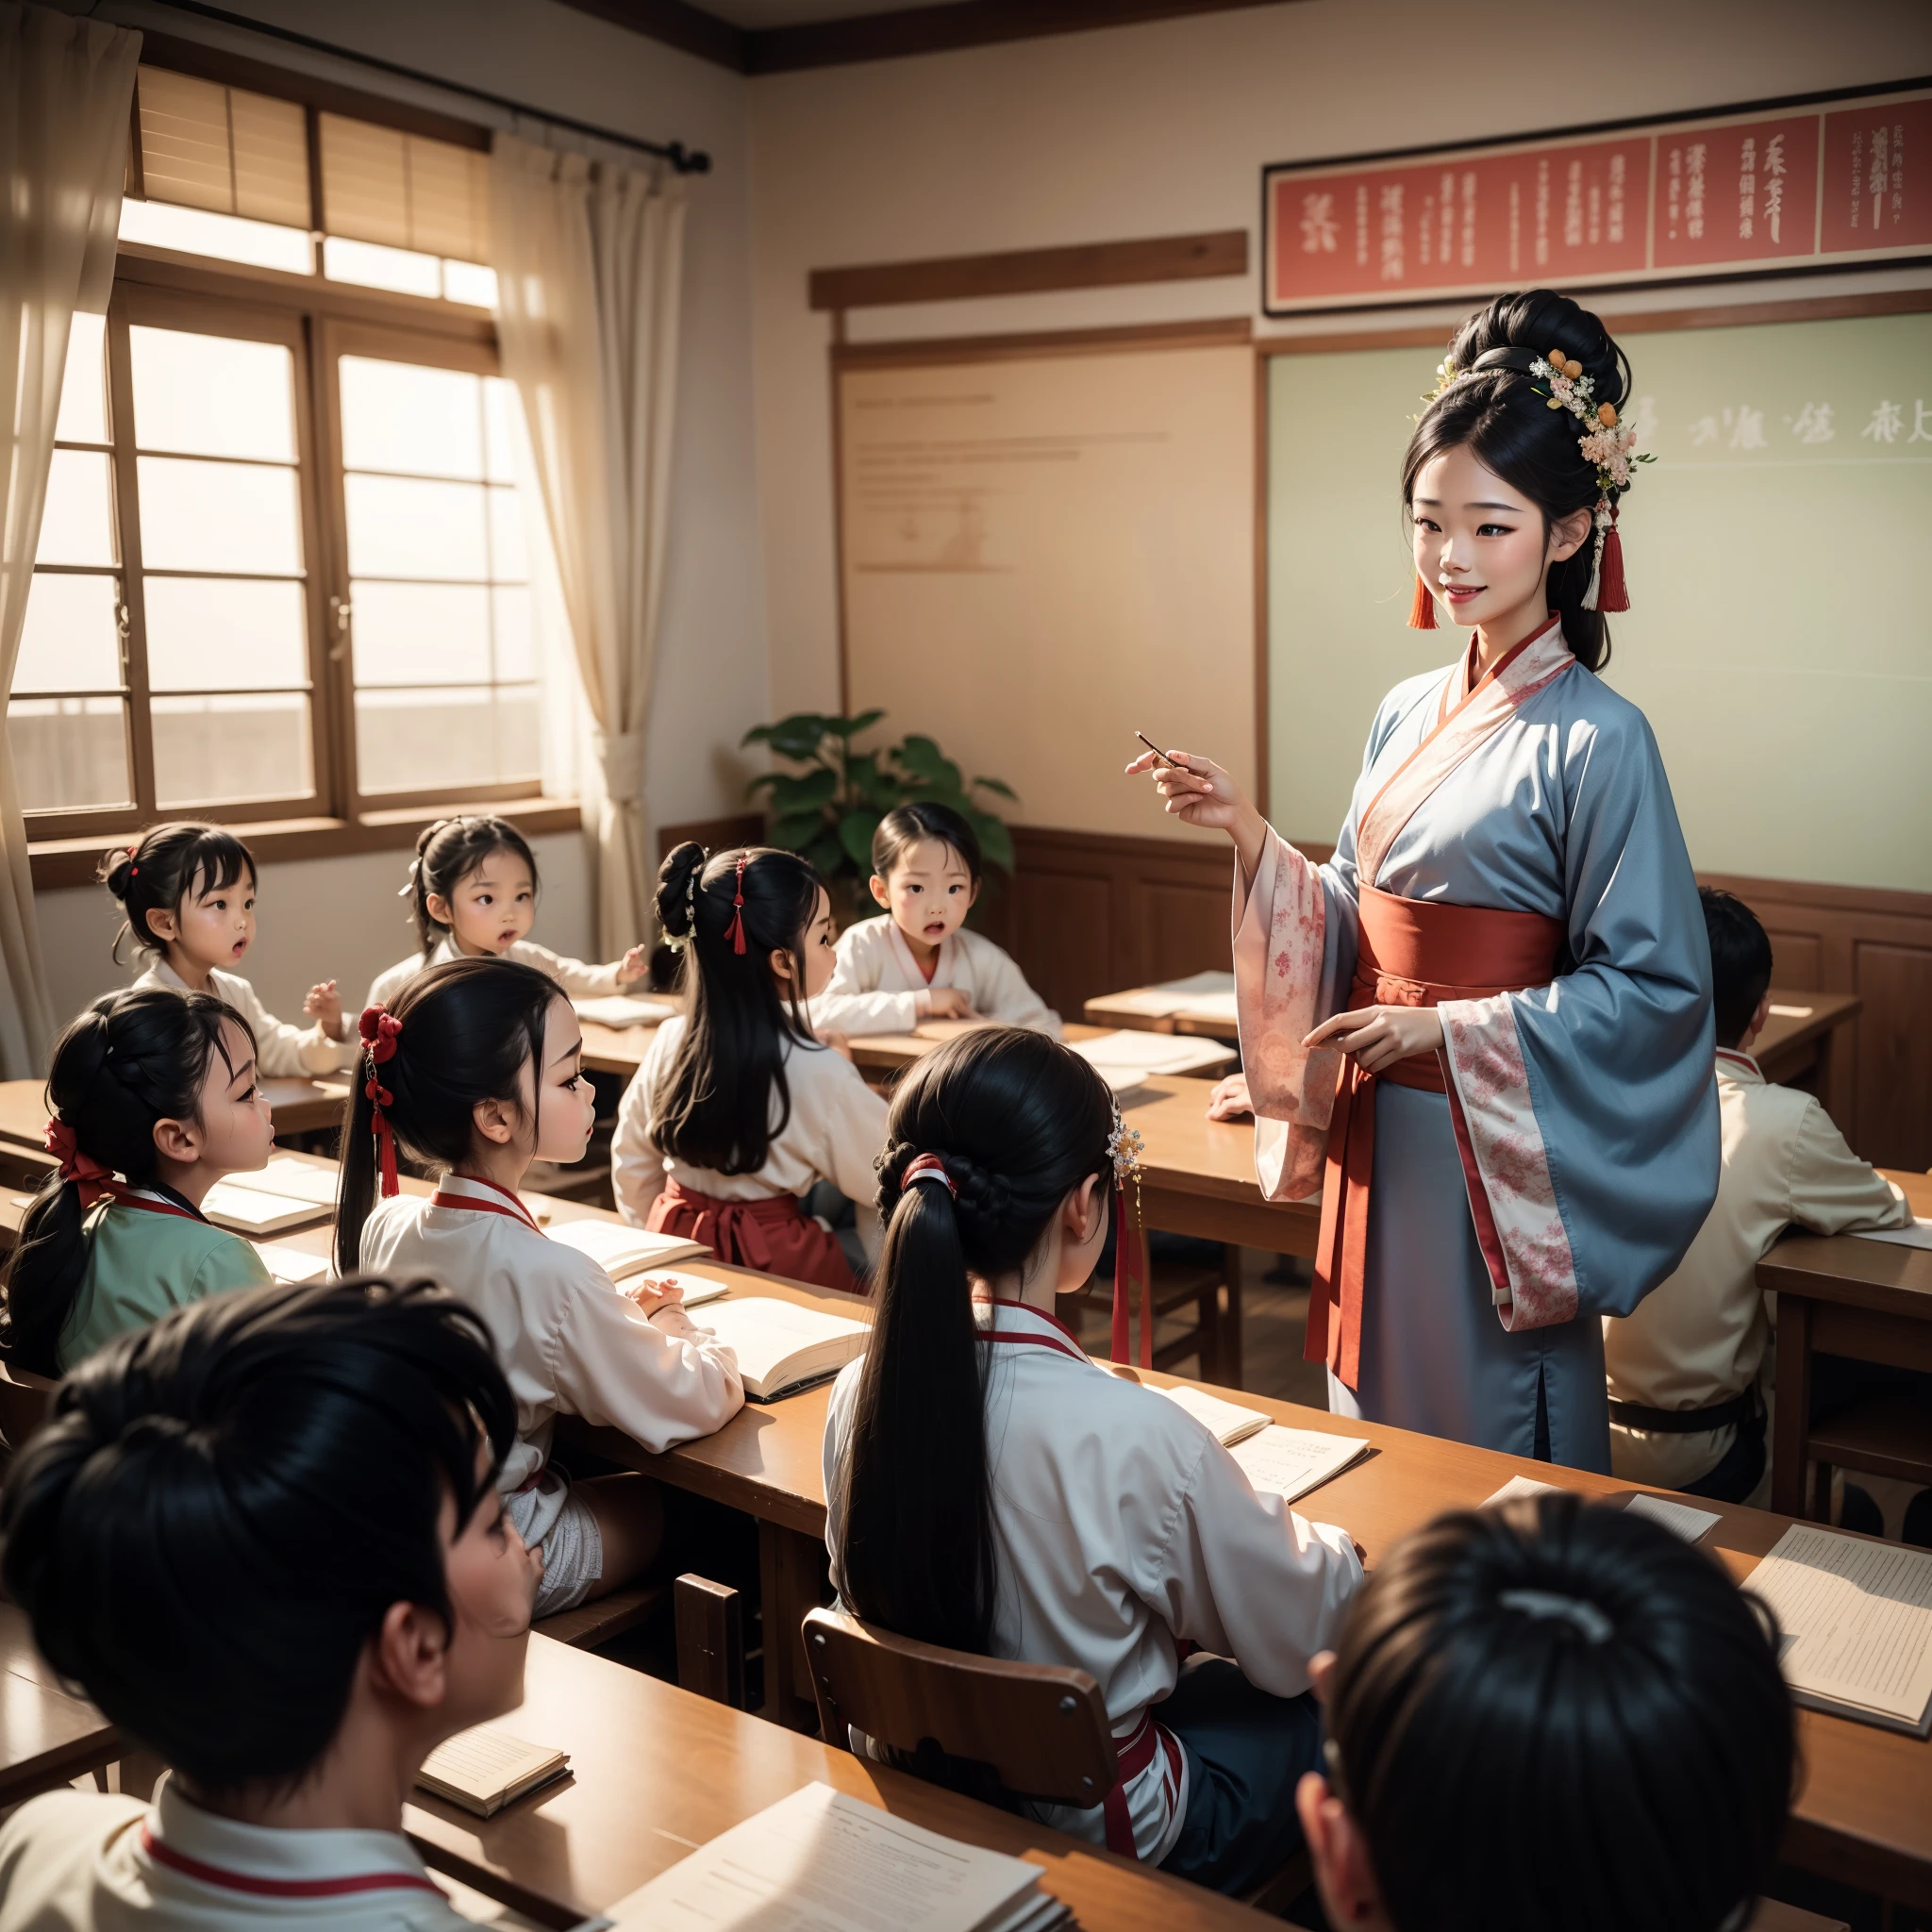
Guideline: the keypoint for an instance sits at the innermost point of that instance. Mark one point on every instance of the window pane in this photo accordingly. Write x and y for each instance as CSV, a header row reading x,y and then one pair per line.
x,y
83,416
217,634
507,561
501,411
516,636
219,516
401,529
371,266
420,633
71,641
212,395
227,238
471,282
402,416
78,525
69,751
409,741
215,751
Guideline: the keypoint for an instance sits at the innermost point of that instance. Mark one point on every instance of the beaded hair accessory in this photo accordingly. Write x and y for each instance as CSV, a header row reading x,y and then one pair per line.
x,y
1123,1150
735,931
379,1029
678,941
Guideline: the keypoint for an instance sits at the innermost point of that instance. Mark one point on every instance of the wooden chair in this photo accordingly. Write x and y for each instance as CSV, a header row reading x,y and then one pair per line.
x,y
1041,1728
26,1402
711,1641
603,1618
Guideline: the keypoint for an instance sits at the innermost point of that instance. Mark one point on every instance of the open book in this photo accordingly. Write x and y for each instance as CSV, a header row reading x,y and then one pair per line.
x,y
782,1347
1289,1462
485,1769
818,1861
624,1009
621,1250
1857,1624
254,1211
291,1177
1228,1423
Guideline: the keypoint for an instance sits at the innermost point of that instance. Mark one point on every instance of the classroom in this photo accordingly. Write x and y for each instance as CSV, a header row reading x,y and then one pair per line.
x,y
800,1129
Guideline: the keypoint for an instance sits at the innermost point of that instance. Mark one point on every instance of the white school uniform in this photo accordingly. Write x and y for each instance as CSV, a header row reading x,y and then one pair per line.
x,y
1120,1526
568,1341
85,1861
279,1048
581,982
835,1132
877,986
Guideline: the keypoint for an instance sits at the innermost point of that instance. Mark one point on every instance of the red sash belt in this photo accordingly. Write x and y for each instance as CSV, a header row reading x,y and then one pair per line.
x,y
1412,952
773,1234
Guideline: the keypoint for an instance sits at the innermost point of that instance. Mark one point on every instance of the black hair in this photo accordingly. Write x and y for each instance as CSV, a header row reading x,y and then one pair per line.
x,y
907,826
1604,1682
713,1106
447,853
1739,962
469,1029
1504,415
225,1506
1019,1122
164,866
131,1060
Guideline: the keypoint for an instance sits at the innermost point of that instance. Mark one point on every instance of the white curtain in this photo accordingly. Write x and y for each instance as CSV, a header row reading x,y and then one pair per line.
x,y
589,258
65,89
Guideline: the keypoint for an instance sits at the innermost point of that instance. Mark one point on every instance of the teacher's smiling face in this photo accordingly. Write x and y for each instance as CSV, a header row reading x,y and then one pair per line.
x,y
1482,546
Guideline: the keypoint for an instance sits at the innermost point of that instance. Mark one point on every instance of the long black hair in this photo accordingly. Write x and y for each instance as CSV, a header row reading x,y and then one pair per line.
x,y
469,1029
713,1104
1504,415
225,1504
131,1060
1020,1121
447,853
166,865
1604,1683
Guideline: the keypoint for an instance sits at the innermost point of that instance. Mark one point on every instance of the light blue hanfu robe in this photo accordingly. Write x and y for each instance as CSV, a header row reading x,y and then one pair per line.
x,y
1588,1150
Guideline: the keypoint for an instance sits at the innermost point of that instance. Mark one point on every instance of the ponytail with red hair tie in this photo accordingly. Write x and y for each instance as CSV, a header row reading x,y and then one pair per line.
x,y
379,1028
735,931
87,1174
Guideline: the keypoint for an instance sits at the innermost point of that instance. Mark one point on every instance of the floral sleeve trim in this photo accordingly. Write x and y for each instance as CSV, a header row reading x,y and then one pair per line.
x,y
1279,930
1506,1165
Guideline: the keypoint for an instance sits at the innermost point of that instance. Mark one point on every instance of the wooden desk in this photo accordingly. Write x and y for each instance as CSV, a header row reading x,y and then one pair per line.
x,y
883,1057
47,1737
299,1107
1799,1046
1839,1294
656,1772
1112,1010
617,1049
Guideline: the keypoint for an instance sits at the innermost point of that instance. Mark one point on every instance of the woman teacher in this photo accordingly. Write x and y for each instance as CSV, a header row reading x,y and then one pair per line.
x,y
1483,1028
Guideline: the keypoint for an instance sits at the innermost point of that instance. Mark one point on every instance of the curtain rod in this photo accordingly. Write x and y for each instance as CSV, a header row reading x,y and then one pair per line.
x,y
685,160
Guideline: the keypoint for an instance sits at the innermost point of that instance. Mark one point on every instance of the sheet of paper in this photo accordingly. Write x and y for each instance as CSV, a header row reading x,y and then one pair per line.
x,y
818,1861
698,1289
1289,1462
1678,1518
292,1264
1917,1236
1792,1012
1154,1002
623,1010
253,1211
1226,1422
1856,1618
1519,1486
1213,1005
1152,1053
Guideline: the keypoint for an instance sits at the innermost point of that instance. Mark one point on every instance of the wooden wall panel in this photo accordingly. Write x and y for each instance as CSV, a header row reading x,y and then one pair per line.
x,y
1797,958
1894,1051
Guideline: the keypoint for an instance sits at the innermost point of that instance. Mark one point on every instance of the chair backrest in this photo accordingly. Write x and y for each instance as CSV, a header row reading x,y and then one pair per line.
x,y
1042,1727
27,1400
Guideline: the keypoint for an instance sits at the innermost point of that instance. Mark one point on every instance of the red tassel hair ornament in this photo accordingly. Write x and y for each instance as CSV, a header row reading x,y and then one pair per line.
x,y
1421,609
379,1029
1611,593
735,931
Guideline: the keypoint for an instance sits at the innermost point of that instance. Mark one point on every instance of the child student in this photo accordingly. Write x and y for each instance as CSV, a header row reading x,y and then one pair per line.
x,y
473,892
737,1109
159,1087
475,1074
1686,1411
917,960
993,1489
265,1536
188,893
1549,1714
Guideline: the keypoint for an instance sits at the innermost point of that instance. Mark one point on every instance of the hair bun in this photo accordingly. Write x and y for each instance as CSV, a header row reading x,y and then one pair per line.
x,y
676,879
117,870
1543,321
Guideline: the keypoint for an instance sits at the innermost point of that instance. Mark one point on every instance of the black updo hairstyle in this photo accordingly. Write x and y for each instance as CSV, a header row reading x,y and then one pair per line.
x,y
1588,1675
1502,414
911,824
469,1029
713,1104
166,865
1019,1122
447,853
225,1506
131,1060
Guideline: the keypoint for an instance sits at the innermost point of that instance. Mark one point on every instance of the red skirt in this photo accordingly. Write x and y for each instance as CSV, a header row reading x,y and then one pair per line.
x,y
772,1234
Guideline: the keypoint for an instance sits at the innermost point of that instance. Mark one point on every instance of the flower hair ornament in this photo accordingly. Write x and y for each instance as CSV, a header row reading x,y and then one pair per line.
x,y
678,941
1123,1148
94,1181
379,1029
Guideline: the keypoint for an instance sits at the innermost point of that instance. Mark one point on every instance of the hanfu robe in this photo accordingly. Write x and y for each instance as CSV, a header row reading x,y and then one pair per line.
x,y
1512,857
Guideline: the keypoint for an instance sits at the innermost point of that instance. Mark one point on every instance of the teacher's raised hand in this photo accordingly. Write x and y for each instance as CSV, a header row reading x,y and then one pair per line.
x,y
1200,793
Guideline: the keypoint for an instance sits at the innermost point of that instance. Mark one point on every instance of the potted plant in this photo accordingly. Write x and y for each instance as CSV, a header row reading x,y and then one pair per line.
x,y
828,812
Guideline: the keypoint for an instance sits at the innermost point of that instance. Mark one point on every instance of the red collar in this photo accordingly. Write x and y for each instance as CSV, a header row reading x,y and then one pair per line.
x,y
1741,1060
281,1887
125,1196
478,1204
1070,1346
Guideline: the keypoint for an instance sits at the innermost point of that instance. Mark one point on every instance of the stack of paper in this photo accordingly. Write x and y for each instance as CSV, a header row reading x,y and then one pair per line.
x,y
621,1250
1125,1059
1228,1423
1857,1622
290,1177
818,1861
1289,1462
485,1769
624,1009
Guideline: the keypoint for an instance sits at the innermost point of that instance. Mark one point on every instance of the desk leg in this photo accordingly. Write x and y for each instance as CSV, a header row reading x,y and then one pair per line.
x,y
1228,1340
792,1580
1790,1470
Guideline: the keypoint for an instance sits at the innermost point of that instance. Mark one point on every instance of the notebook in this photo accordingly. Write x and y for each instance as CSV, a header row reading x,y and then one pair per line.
x,y
292,1264
1857,1624
782,1347
1289,1462
1228,1423
1680,1519
624,1009
621,1250
253,1210
292,1178
820,1861
485,1769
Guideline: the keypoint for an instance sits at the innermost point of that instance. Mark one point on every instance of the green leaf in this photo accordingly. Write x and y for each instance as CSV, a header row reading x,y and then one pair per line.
x,y
922,757
873,784
760,783
828,855
855,834
851,728
789,794
995,842
998,785
797,737
796,830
